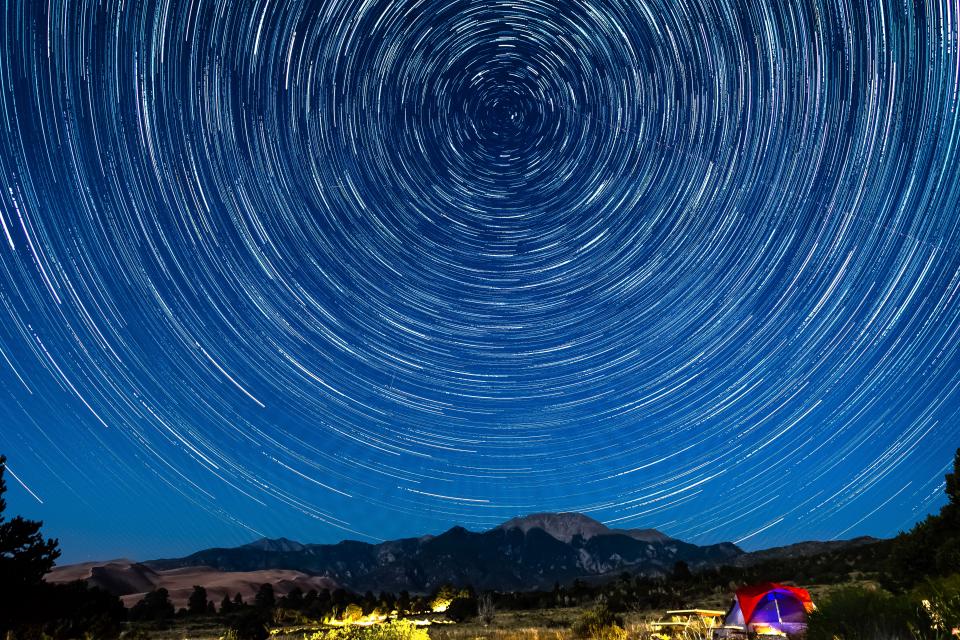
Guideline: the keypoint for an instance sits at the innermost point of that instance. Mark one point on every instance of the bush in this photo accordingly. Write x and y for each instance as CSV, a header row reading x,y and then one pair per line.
x,y
599,624
249,626
135,633
939,610
485,609
855,613
73,610
462,609
155,605
352,613
395,630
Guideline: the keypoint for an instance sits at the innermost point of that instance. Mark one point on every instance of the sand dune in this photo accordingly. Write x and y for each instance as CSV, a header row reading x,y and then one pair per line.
x,y
132,580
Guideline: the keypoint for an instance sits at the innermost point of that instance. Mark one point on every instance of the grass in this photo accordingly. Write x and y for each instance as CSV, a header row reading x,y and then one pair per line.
x,y
541,624
536,624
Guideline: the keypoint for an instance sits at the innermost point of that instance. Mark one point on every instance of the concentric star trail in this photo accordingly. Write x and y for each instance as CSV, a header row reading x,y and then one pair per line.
x,y
373,268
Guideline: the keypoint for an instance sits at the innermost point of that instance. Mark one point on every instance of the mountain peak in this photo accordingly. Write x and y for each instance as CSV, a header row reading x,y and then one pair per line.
x,y
275,544
644,535
562,526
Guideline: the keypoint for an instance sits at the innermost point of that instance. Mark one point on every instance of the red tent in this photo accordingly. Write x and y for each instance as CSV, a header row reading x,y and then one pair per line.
x,y
750,597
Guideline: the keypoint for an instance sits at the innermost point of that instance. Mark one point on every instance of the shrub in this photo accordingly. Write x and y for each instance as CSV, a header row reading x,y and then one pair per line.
x,y
155,605
486,610
928,612
249,626
395,630
352,613
939,610
599,624
135,633
855,613
462,609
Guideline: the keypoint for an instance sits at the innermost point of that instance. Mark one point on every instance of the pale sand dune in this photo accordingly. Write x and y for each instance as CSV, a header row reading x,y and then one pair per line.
x,y
132,580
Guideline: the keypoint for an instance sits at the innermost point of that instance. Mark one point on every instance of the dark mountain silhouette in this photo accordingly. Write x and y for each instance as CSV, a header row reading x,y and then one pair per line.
x,y
532,552
802,550
282,545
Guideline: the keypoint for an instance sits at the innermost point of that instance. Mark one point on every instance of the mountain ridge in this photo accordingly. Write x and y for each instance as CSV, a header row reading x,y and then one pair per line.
x,y
527,552
524,553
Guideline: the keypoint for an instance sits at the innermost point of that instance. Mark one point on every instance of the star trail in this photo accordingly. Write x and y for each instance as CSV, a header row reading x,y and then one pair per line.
x,y
351,269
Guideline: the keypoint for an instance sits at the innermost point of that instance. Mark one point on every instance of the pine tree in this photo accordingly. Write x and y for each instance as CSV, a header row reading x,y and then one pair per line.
x,y
197,604
265,599
24,555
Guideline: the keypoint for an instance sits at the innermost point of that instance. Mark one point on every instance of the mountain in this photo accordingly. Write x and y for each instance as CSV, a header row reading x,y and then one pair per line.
x,y
802,550
532,552
131,580
276,544
564,526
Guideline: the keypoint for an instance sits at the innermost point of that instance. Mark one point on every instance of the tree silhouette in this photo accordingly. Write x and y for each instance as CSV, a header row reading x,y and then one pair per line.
x,y
249,626
265,599
952,509
932,547
681,571
155,605
197,604
33,608
24,555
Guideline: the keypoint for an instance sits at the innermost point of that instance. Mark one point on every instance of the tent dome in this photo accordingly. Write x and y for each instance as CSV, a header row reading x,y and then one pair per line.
x,y
770,607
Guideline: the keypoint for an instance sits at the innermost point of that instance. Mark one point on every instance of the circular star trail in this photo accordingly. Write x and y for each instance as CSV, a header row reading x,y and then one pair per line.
x,y
345,268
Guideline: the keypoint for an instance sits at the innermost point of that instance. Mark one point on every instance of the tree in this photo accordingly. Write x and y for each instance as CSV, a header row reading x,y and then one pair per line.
x,y
197,604
951,512
249,626
462,608
74,610
226,605
294,599
681,571
155,605
265,598
442,598
403,603
932,547
25,557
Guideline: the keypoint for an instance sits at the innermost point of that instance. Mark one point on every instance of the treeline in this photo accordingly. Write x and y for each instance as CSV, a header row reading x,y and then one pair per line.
x,y
919,598
315,606
252,620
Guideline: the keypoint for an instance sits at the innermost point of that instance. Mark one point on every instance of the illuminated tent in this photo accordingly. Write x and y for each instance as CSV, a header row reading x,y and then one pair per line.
x,y
769,608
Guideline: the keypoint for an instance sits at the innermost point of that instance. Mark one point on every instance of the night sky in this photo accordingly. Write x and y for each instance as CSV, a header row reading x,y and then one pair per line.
x,y
345,269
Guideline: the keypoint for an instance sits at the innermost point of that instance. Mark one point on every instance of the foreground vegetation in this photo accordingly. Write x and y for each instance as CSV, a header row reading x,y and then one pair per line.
x,y
905,588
